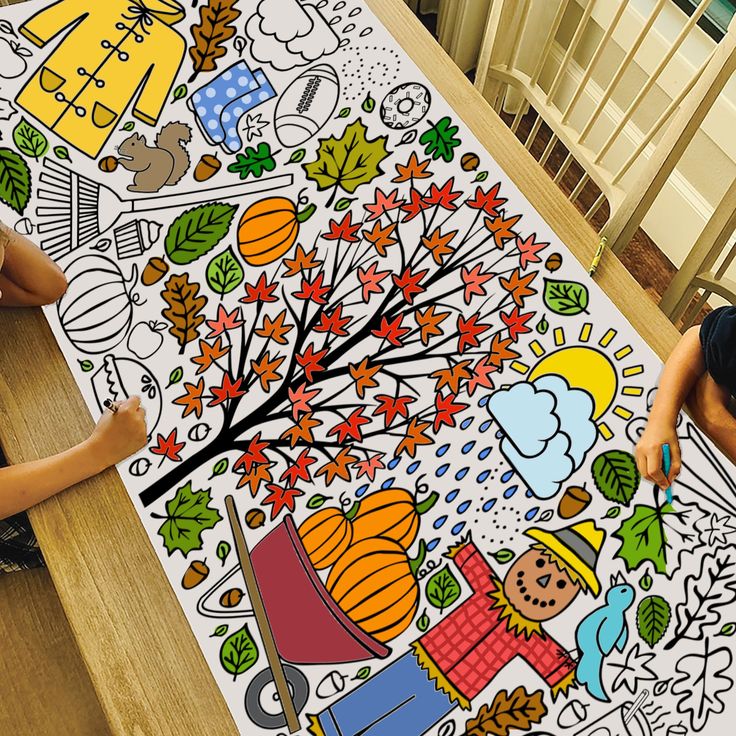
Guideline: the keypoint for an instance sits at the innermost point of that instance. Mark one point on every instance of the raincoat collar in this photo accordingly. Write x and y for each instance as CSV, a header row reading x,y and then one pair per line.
x,y
166,11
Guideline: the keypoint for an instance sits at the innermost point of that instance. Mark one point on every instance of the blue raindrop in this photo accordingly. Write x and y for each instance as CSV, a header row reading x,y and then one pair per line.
x,y
467,447
432,544
361,491
528,493
461,473
442,470
510,491
452,495
489,504
413,467
483,400
388,483
482,476
506,477
440,522
442,450
466,422
484,453
393,463
529,515
499,434
463,507
484,427
458,528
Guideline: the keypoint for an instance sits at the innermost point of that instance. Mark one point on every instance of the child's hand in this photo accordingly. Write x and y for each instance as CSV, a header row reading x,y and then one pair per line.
x,y
649,453
120,434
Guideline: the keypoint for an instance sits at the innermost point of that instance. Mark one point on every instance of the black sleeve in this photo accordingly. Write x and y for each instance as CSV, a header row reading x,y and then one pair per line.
x,y
718,340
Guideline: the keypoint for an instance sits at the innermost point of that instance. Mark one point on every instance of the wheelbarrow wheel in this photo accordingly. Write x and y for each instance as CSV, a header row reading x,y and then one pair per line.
x,y
298,687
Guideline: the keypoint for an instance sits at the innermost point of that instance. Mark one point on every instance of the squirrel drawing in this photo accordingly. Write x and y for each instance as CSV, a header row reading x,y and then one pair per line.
x,y
162,164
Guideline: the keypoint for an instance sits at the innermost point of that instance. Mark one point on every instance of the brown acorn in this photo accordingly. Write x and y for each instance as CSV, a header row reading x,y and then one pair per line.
x,y
155,270
195,574
553,262
470,161
255,518
573,502
108,164
231,598
207,167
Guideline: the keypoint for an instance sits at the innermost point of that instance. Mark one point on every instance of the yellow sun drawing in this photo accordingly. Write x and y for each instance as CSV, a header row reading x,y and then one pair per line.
x,y
589,368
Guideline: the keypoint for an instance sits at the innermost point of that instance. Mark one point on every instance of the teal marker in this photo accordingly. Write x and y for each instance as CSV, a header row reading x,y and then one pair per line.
x,y
666,465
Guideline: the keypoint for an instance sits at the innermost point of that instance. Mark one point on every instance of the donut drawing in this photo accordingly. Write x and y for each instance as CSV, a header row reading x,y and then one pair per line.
x,y
405,105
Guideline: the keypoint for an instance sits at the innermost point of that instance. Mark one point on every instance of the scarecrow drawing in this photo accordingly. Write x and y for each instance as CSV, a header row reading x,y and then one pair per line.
x,y
454,661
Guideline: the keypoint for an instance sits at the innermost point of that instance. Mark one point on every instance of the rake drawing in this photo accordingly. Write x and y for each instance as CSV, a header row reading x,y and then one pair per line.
x,y
74,210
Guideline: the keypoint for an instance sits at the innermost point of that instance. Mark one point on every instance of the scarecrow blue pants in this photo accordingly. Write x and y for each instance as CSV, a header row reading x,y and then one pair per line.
x,y
399,701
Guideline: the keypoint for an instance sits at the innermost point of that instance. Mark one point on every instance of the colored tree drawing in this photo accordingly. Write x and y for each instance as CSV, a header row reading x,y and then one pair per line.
x,y
385,328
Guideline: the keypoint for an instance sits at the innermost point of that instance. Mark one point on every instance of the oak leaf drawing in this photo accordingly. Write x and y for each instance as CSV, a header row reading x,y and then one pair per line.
x,y
519,710
216,26
185,309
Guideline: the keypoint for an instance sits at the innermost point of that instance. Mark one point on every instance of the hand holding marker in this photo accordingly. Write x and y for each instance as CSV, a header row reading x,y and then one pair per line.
x,y
666,465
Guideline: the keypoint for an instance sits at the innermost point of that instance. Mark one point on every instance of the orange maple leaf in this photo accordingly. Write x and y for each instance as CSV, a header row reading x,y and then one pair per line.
x,y
275,329
412,170
430,322
302,261
452,376
502,228
415,436
192,399
258,474
363,376
518,285
209,354
381,236
267,370
301,431
500,350
439,245
338,468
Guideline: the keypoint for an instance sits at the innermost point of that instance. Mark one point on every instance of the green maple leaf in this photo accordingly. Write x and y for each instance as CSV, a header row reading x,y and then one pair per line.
x,y
254,162
440,140
348,161
188,514
643,536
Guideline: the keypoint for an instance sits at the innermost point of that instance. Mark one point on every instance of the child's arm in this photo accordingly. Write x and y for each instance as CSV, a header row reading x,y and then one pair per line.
x,y
115,437
708,405
681,372
28,277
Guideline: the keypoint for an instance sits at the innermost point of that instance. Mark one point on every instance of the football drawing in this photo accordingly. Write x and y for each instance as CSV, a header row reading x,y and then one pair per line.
x,y
306,105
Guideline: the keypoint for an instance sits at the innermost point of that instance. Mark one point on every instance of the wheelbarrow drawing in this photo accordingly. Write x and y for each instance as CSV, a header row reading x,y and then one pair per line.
x,y
298,620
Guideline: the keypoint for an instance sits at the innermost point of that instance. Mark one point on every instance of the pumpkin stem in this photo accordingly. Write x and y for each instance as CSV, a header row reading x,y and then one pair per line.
x,y
353,511
428,503
416,562
306,213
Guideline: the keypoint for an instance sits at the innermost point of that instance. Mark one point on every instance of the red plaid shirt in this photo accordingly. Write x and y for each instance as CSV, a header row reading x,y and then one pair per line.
x,y
473,644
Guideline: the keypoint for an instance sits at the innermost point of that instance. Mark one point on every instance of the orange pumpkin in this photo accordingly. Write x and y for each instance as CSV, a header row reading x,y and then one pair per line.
x,y
374,583
392,513
268,229
326,534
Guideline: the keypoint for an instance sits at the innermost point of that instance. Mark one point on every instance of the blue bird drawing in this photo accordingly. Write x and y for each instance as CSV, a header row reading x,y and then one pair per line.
x,y
599,632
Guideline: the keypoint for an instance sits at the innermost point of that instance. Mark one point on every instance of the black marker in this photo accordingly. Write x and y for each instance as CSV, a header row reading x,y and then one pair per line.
x,y
108,404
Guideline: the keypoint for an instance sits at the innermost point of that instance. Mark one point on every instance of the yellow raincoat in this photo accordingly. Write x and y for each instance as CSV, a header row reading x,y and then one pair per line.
x,y
112,51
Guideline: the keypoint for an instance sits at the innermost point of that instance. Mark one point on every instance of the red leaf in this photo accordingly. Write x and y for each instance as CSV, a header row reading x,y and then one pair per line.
x,y
168,447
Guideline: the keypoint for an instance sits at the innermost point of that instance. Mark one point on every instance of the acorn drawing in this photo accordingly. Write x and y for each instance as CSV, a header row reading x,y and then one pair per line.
x,y
195,574
255,518
231,598
573,502
207,167
155,270
108,164
553,262
470,161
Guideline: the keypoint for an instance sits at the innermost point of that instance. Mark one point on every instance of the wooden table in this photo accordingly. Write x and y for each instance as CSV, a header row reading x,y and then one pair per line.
x,y
143,661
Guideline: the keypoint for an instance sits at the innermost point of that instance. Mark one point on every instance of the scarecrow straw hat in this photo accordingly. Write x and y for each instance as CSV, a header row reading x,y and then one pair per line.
x,y
578,545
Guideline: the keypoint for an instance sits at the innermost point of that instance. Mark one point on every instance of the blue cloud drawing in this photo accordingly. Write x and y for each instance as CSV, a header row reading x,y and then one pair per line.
x,y
548,430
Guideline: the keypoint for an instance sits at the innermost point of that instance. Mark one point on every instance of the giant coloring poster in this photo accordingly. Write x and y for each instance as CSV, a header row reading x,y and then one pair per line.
x,y
338,310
